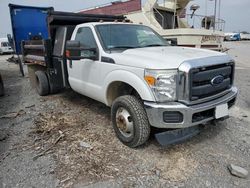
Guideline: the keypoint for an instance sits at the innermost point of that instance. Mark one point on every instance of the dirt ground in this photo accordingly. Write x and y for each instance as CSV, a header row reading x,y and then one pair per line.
x,y
67,140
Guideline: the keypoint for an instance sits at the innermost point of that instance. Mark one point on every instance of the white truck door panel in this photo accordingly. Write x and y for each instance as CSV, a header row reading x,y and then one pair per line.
x,y
84,77
84,74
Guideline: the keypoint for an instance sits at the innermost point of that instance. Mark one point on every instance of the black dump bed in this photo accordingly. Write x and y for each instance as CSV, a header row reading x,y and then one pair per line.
x,y
57,19
69,18
60,26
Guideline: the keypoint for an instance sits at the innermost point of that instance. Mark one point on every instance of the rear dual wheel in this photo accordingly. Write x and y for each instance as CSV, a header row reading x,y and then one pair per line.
x,y
42,83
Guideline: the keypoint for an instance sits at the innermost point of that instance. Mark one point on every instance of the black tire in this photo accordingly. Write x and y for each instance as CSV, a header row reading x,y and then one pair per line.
x,y
1,86
42,83
138,117
53,88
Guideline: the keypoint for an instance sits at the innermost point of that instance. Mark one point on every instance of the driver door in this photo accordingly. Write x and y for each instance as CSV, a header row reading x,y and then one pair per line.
x,y
84,73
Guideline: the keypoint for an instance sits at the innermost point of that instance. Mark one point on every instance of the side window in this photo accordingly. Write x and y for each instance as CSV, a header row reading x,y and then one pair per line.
x,y
86,37
5,44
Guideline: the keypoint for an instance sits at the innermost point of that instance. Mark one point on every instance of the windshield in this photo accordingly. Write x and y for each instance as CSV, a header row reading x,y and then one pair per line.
x,y
125,36
5,44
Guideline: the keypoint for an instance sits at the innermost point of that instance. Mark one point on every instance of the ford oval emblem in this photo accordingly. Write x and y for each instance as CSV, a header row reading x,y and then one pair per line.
x,y
217,80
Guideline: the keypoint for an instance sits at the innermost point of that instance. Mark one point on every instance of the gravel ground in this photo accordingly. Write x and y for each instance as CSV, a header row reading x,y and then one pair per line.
x,y
42,142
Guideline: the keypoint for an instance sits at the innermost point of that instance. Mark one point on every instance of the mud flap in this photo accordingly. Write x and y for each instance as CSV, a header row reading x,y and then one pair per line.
x,y
177,136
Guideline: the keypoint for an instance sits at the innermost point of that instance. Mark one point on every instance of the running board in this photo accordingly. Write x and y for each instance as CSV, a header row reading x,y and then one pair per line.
x,y
177,136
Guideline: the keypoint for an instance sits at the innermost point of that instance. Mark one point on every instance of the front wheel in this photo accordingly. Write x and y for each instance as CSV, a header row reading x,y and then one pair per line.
x,y
130,121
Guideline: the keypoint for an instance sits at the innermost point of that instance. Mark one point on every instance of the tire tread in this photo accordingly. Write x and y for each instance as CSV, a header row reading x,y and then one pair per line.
x,y
143,125
43,86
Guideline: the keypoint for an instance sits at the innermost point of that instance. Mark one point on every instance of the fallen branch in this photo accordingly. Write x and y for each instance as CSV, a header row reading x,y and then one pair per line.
x,y
49,148
3,156
67,179
13,115
30,106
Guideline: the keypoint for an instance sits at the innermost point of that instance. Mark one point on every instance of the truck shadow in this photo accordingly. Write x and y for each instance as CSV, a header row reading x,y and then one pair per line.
x,y
86,102
209,132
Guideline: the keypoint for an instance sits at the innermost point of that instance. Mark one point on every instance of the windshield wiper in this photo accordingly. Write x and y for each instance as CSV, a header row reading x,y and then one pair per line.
x,y
152,45
122,47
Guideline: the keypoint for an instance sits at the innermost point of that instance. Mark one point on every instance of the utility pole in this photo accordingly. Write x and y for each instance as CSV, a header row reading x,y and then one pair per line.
x,y
174,20
205,14
206,8
215,12
220,23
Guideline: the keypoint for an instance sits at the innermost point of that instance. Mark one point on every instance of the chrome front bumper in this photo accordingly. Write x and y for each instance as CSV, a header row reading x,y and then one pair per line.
x,y
155,111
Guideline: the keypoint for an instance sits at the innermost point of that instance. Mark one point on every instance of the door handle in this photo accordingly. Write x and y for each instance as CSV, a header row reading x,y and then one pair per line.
x,y
70,63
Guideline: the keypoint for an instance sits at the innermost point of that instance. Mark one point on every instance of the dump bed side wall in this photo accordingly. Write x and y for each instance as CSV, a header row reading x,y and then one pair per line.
x,y
28,23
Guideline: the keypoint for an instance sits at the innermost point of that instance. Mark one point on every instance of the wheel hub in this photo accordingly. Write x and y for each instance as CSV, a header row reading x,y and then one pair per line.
x,y
124,122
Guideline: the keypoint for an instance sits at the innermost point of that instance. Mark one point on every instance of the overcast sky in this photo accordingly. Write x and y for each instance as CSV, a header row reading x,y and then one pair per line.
x,y
235,12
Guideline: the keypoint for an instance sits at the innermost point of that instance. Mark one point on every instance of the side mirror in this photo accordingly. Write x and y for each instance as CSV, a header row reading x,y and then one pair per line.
x,y
74,51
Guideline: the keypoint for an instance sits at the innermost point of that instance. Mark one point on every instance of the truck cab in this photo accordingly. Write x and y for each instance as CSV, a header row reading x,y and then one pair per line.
x,y
108,52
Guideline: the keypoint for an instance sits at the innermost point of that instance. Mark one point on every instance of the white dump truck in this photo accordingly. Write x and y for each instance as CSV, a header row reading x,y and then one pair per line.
x,y
132,69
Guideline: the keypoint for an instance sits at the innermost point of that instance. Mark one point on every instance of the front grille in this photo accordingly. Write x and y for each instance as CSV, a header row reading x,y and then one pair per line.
x,y
201,80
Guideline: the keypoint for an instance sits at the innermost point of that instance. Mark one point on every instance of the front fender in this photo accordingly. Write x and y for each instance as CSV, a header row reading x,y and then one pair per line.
x,y
131,79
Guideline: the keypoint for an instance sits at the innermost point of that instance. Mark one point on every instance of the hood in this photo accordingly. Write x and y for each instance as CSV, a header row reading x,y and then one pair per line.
x,y
161,57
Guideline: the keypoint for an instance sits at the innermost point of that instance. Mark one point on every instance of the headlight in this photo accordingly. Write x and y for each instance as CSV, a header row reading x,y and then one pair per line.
x,y
162,83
